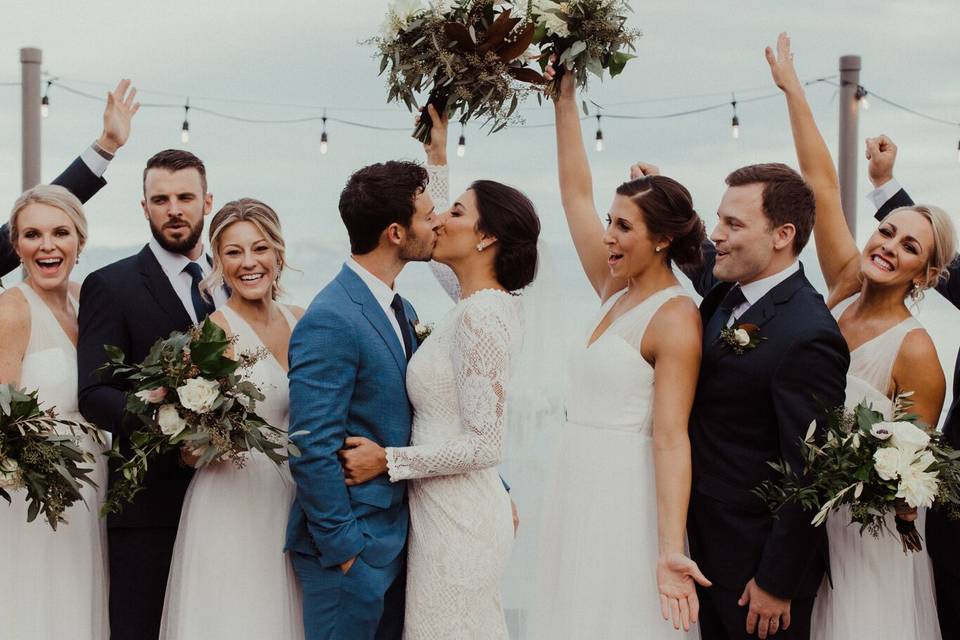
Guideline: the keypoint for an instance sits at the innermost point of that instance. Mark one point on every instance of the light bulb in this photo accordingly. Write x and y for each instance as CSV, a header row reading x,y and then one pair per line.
x,y
461,146
323,143
735,128
44,107
865,103
599,140
958,152
185,132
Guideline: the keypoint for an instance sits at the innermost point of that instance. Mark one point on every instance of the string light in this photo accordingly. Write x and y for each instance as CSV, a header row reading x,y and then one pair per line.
x,y
862,97
45,101
461,145
185,130
599,135
323,134
958,152
735,123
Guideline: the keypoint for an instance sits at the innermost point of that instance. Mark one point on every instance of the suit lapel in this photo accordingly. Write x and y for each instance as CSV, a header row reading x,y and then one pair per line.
x,y
373,312
155,281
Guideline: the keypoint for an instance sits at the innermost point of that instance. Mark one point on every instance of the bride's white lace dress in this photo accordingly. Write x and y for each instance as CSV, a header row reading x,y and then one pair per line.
x,y
597,557
878,591
461,526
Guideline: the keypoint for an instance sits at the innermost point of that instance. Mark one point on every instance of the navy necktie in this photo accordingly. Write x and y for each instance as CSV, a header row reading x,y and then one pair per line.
x,y
721,316
397,306
201,307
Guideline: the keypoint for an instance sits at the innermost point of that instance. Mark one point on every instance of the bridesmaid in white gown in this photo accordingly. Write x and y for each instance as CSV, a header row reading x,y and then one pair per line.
x,y
55,581
612,560
878,591
229,577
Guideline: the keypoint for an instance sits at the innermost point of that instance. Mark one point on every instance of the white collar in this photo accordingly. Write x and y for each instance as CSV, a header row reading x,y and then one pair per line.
x,y
379,289
174,263
755,290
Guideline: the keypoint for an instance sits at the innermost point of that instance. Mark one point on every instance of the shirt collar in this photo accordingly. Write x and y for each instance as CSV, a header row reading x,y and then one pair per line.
x,y
379,289
174,263
755,290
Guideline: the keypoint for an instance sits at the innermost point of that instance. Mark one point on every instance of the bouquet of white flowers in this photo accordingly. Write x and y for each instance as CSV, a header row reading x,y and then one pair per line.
x,y
189,393
874,466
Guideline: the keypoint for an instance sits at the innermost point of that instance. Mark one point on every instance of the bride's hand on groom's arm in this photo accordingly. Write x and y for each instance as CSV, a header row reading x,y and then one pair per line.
x,y
362,460
677,578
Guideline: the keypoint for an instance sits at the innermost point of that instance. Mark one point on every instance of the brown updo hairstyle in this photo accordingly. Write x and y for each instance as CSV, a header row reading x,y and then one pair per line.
x,y
509,215
667,210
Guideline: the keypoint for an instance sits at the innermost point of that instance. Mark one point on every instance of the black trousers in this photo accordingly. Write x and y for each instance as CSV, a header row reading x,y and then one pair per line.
x,y
721,618
139,565
948,601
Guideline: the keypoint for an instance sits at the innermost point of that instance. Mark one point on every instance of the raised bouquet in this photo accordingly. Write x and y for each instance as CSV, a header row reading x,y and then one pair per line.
x,y
48,466
189,393
586,36
874,466
471,55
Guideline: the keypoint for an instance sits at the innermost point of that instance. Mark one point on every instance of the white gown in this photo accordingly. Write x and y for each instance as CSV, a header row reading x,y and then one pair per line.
x,y
461,527
55,582
596,569
229,577
878,591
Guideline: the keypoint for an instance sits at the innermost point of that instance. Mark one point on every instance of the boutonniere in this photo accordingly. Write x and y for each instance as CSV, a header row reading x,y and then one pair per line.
x,y
742,337
422,331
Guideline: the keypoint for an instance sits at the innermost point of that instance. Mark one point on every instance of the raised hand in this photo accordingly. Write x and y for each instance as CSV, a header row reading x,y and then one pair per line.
x,y
643,169
567,91
881,154
117,115
436,149
781,65
677,578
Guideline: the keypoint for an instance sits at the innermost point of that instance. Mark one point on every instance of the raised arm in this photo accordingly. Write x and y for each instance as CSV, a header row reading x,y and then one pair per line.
x,y
439,190
836,249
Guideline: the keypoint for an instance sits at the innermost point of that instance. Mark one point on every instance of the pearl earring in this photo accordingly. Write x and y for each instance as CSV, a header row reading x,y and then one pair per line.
x,y
479,246
658,249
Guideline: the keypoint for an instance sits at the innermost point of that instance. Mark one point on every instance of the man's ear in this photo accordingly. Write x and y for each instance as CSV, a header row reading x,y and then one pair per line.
x,y
395,234
207,204
783,236
146,212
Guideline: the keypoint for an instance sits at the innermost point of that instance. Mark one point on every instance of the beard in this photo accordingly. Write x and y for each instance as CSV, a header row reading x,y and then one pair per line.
x,y
417,249
182,246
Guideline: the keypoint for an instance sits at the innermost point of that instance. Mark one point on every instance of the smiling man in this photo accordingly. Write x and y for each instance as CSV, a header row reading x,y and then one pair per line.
x,y
130,304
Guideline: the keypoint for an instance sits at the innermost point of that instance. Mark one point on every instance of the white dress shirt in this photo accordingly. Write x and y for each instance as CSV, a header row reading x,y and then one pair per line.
x,y
173,265
884,192
755,290
381,292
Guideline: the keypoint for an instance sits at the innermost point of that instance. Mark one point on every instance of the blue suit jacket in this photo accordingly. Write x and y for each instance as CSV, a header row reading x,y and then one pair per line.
x,y
347,378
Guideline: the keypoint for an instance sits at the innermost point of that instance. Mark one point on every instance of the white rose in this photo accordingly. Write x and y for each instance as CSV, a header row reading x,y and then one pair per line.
x,y
152,396
918,489
742,337
199,394
170,421
886,460
9,473
880,431
907,436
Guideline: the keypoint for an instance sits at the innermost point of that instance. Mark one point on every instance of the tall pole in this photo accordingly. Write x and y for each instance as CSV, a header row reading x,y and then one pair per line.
x,y
30,60
849,147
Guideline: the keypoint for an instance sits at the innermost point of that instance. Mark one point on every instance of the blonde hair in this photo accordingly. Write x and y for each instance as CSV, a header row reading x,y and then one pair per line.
x,y
264,219
944,241
52,196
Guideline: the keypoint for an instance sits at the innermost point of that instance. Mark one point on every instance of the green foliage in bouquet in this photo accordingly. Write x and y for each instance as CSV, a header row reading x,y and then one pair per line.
x,y
586,36
47,465
873,466
189,393
471,55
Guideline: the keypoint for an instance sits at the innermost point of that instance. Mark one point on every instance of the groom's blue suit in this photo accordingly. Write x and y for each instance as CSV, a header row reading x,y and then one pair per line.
x,y
348,378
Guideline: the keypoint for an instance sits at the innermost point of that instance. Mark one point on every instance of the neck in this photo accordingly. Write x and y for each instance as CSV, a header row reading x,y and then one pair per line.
x,y
385,266
474,277
879,300
778,264
652,279
57,299
260,310
194,254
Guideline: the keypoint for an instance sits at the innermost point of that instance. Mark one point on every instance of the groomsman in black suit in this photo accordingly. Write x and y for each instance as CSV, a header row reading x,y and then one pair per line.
x,y
754,404
943,534
84,177
131,304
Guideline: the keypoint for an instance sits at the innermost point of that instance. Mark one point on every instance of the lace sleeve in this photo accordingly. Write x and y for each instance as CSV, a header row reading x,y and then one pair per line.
x,y
481,357
439,190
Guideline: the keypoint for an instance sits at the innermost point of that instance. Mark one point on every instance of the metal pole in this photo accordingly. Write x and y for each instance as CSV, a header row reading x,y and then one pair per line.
x,y
849,143
30,60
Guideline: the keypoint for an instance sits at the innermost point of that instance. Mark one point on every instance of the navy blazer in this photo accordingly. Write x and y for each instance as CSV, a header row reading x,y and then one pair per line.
x,y
751,409
347,378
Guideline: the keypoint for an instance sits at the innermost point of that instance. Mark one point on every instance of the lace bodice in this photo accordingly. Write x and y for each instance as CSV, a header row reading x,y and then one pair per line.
x,y
458,383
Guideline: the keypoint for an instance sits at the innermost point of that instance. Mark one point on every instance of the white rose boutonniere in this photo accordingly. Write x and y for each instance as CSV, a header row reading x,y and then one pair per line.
x,y
422,331
198,394
170,421
742,337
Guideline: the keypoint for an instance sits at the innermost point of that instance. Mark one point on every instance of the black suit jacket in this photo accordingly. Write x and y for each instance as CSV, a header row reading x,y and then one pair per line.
x,y
79,180
942,533
751,409
130,304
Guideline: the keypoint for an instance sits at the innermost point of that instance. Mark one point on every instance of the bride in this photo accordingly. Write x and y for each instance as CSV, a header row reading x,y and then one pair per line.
x,y
612,554
878,592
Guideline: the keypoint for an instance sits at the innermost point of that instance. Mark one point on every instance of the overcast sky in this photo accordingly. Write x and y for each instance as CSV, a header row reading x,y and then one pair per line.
x,y
308,53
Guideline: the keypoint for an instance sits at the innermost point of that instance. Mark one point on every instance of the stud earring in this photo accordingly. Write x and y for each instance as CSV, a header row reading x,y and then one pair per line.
x,y
658,249
479,247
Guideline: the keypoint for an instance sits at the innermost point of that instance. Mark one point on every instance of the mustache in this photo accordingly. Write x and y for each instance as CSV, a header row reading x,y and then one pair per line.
x,y
177,222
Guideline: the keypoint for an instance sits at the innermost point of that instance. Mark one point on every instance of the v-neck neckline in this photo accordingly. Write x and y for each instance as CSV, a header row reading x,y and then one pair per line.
x,y
260,339
623,315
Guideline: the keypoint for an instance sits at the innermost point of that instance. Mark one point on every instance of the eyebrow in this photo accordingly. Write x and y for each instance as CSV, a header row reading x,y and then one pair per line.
x,y
908,238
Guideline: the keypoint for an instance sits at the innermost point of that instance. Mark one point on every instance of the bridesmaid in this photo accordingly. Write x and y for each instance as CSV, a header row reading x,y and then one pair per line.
x,y
229,577
56,581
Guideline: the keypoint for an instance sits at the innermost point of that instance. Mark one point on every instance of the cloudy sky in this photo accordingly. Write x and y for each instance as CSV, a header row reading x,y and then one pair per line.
x,y
231,55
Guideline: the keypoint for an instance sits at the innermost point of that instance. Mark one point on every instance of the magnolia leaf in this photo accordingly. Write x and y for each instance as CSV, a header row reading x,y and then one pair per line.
x,y
459,36
494,36
519,46
524,74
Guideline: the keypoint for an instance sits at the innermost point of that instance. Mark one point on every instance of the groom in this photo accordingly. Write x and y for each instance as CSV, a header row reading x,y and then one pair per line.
x,y
348,361
754,407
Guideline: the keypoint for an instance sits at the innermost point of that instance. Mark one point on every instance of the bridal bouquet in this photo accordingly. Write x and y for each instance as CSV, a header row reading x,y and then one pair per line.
x,y
47,465
471,55
189,393
874,466
585,36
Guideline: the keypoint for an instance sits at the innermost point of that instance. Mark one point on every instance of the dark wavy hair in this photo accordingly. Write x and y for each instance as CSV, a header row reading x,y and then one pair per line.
x,y
176,160
377,196
509,215
786,198
667,210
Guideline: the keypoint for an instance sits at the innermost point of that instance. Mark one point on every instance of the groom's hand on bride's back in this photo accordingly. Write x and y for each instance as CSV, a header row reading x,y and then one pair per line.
x,y
362,460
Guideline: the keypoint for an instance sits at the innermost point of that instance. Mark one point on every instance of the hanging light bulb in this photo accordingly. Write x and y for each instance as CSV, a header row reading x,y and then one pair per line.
x,y
461,145
958,152
862,97
323,135
735,123
185,130
599,135
45,101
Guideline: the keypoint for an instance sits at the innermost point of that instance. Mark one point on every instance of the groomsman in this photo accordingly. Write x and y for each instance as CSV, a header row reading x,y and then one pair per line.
x,y
84,176
943,534
131,304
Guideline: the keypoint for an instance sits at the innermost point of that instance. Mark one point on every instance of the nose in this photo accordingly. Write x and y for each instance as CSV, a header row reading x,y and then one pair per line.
x,y
46,243
248,262
717,235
